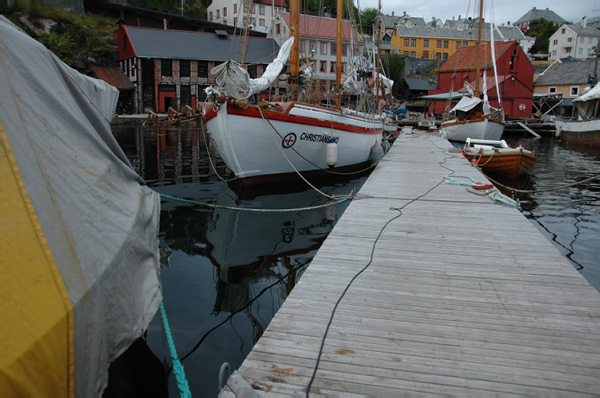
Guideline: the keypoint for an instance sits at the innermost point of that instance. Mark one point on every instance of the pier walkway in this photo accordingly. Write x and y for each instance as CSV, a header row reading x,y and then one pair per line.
x,y
458,295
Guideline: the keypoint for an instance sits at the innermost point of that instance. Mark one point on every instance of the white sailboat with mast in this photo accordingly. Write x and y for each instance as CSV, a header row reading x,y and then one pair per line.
x,y
263,142
473,117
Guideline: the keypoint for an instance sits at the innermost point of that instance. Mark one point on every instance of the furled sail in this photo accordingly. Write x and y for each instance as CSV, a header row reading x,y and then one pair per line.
x,y
234,80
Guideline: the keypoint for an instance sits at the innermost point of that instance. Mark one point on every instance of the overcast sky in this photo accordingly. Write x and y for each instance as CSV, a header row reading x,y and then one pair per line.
x,y
506,10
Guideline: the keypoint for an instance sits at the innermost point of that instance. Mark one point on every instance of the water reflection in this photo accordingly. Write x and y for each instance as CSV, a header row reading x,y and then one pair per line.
x,y
225,273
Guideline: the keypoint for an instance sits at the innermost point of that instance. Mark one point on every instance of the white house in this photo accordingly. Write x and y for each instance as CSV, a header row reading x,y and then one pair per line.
x,y
575,41
235,13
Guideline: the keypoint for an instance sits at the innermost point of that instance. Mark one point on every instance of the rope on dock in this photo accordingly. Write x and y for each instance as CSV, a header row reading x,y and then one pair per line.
x,y
184,388
250,209
493,194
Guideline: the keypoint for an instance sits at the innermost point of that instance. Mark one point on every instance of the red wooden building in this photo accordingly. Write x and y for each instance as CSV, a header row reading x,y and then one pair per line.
x,y
515,77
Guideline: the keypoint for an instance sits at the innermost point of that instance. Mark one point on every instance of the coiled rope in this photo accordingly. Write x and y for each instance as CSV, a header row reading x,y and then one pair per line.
x,y
184,388
250,209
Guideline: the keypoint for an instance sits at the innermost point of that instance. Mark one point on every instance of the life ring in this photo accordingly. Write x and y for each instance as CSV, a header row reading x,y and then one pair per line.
x,y
481,186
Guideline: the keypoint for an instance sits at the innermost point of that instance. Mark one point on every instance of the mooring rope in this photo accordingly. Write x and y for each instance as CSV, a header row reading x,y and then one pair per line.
x,y
250,209
184,388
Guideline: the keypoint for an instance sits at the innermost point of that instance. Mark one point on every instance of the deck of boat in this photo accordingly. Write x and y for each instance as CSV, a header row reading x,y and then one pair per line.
x,y
460,295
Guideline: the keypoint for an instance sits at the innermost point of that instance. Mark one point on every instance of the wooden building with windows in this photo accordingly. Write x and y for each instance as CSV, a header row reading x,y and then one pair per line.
x,y
515,77
171,68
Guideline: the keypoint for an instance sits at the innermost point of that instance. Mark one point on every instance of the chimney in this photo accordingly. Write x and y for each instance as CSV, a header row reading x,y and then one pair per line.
x,y
392,13
584,22
404,13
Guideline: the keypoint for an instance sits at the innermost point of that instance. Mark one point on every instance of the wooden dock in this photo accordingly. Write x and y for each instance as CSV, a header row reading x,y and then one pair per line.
x,y
460,295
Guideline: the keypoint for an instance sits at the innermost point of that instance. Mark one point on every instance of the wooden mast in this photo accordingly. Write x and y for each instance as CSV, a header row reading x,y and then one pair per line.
x,y
478,49
338,54
294,57
378,33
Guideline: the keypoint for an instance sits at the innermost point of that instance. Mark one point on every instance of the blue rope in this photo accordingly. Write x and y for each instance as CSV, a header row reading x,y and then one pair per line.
x,y
213,206
184,388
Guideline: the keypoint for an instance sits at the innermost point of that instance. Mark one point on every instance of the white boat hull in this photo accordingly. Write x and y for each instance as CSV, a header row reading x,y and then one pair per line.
x,y
483,129
579,131
262,143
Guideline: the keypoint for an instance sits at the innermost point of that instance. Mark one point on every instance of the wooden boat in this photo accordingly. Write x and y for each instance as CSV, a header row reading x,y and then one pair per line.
x,y
586,128
496,157
267,142
473,117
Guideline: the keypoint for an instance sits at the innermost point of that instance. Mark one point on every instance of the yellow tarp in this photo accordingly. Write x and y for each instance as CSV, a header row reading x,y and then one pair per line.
x,y
36,336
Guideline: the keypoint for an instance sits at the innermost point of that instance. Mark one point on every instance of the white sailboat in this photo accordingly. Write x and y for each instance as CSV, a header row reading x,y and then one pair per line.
x,y
271,141
473,117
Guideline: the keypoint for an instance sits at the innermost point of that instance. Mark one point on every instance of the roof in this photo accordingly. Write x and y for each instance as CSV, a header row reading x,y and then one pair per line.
x,y
207,46
465,57
573,72
419,84
113,76
502,33
589,31
277,3
320,27
594,21
534,13
389,21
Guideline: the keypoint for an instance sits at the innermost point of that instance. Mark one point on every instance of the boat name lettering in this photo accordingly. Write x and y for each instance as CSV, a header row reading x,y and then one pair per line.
x,y
318,138
311,229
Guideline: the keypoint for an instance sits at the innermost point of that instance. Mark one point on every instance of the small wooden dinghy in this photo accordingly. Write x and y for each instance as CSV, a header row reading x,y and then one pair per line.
x,y
496,157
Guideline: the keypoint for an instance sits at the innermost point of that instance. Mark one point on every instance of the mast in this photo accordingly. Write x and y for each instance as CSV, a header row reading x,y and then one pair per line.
x,y
477,49
294,58
377,56
338,54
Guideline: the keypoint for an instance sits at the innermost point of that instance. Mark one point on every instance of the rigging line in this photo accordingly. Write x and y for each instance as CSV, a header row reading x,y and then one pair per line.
x,y
399,209
539,190
373,165
238,311
212,166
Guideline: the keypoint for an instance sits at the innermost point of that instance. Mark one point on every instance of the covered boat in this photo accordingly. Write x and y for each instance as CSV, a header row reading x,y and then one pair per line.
x,y
496,157
80,276
585,128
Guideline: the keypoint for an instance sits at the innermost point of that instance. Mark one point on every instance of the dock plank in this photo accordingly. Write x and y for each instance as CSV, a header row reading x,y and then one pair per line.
x,y
457,295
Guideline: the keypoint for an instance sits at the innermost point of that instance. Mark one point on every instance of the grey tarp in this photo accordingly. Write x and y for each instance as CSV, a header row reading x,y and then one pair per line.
x,y
100,221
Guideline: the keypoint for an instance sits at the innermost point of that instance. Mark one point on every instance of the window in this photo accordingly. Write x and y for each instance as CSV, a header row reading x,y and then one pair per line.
x,y
224,12
413,54
278,29
252,71
261,9
235,21
568,50
580,50
445,56
166,67
252,21
210,16
302,46
323,48
185,95
425,54
555,42
591,40
562,32
261,22
582,39
235,8
343,68
218,14
313,46
323,67
344,50
553,52
333,49
445,43
438,55
406,42
569,39
465,44
184,68
439,44
457,45
202,69
406,53
332,68
413,42
425,43
574,91
551,89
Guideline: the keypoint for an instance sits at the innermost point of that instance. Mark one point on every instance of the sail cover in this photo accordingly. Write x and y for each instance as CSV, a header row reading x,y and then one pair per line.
x,y
80,278
466,104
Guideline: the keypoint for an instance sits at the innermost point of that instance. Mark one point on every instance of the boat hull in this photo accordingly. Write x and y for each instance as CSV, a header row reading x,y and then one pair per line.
x,y
585,132
257,143
483,128
511,163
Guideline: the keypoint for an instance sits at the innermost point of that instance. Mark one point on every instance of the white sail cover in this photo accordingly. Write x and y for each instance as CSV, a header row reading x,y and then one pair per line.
x,y
593,94
466,104
236,82
99,219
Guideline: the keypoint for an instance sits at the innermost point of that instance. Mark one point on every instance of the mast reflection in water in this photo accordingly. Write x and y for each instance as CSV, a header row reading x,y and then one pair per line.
x,y
225,273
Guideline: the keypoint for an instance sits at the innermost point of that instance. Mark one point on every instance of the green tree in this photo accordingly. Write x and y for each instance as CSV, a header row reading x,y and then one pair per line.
x,y
541,29
367,20
393,65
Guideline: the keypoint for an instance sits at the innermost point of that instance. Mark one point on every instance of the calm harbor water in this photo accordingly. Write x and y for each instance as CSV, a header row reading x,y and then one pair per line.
x,y
225,273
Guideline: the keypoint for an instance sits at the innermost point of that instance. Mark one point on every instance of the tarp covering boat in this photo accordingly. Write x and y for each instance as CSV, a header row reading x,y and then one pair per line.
x,y
466,104
80,278
593,94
